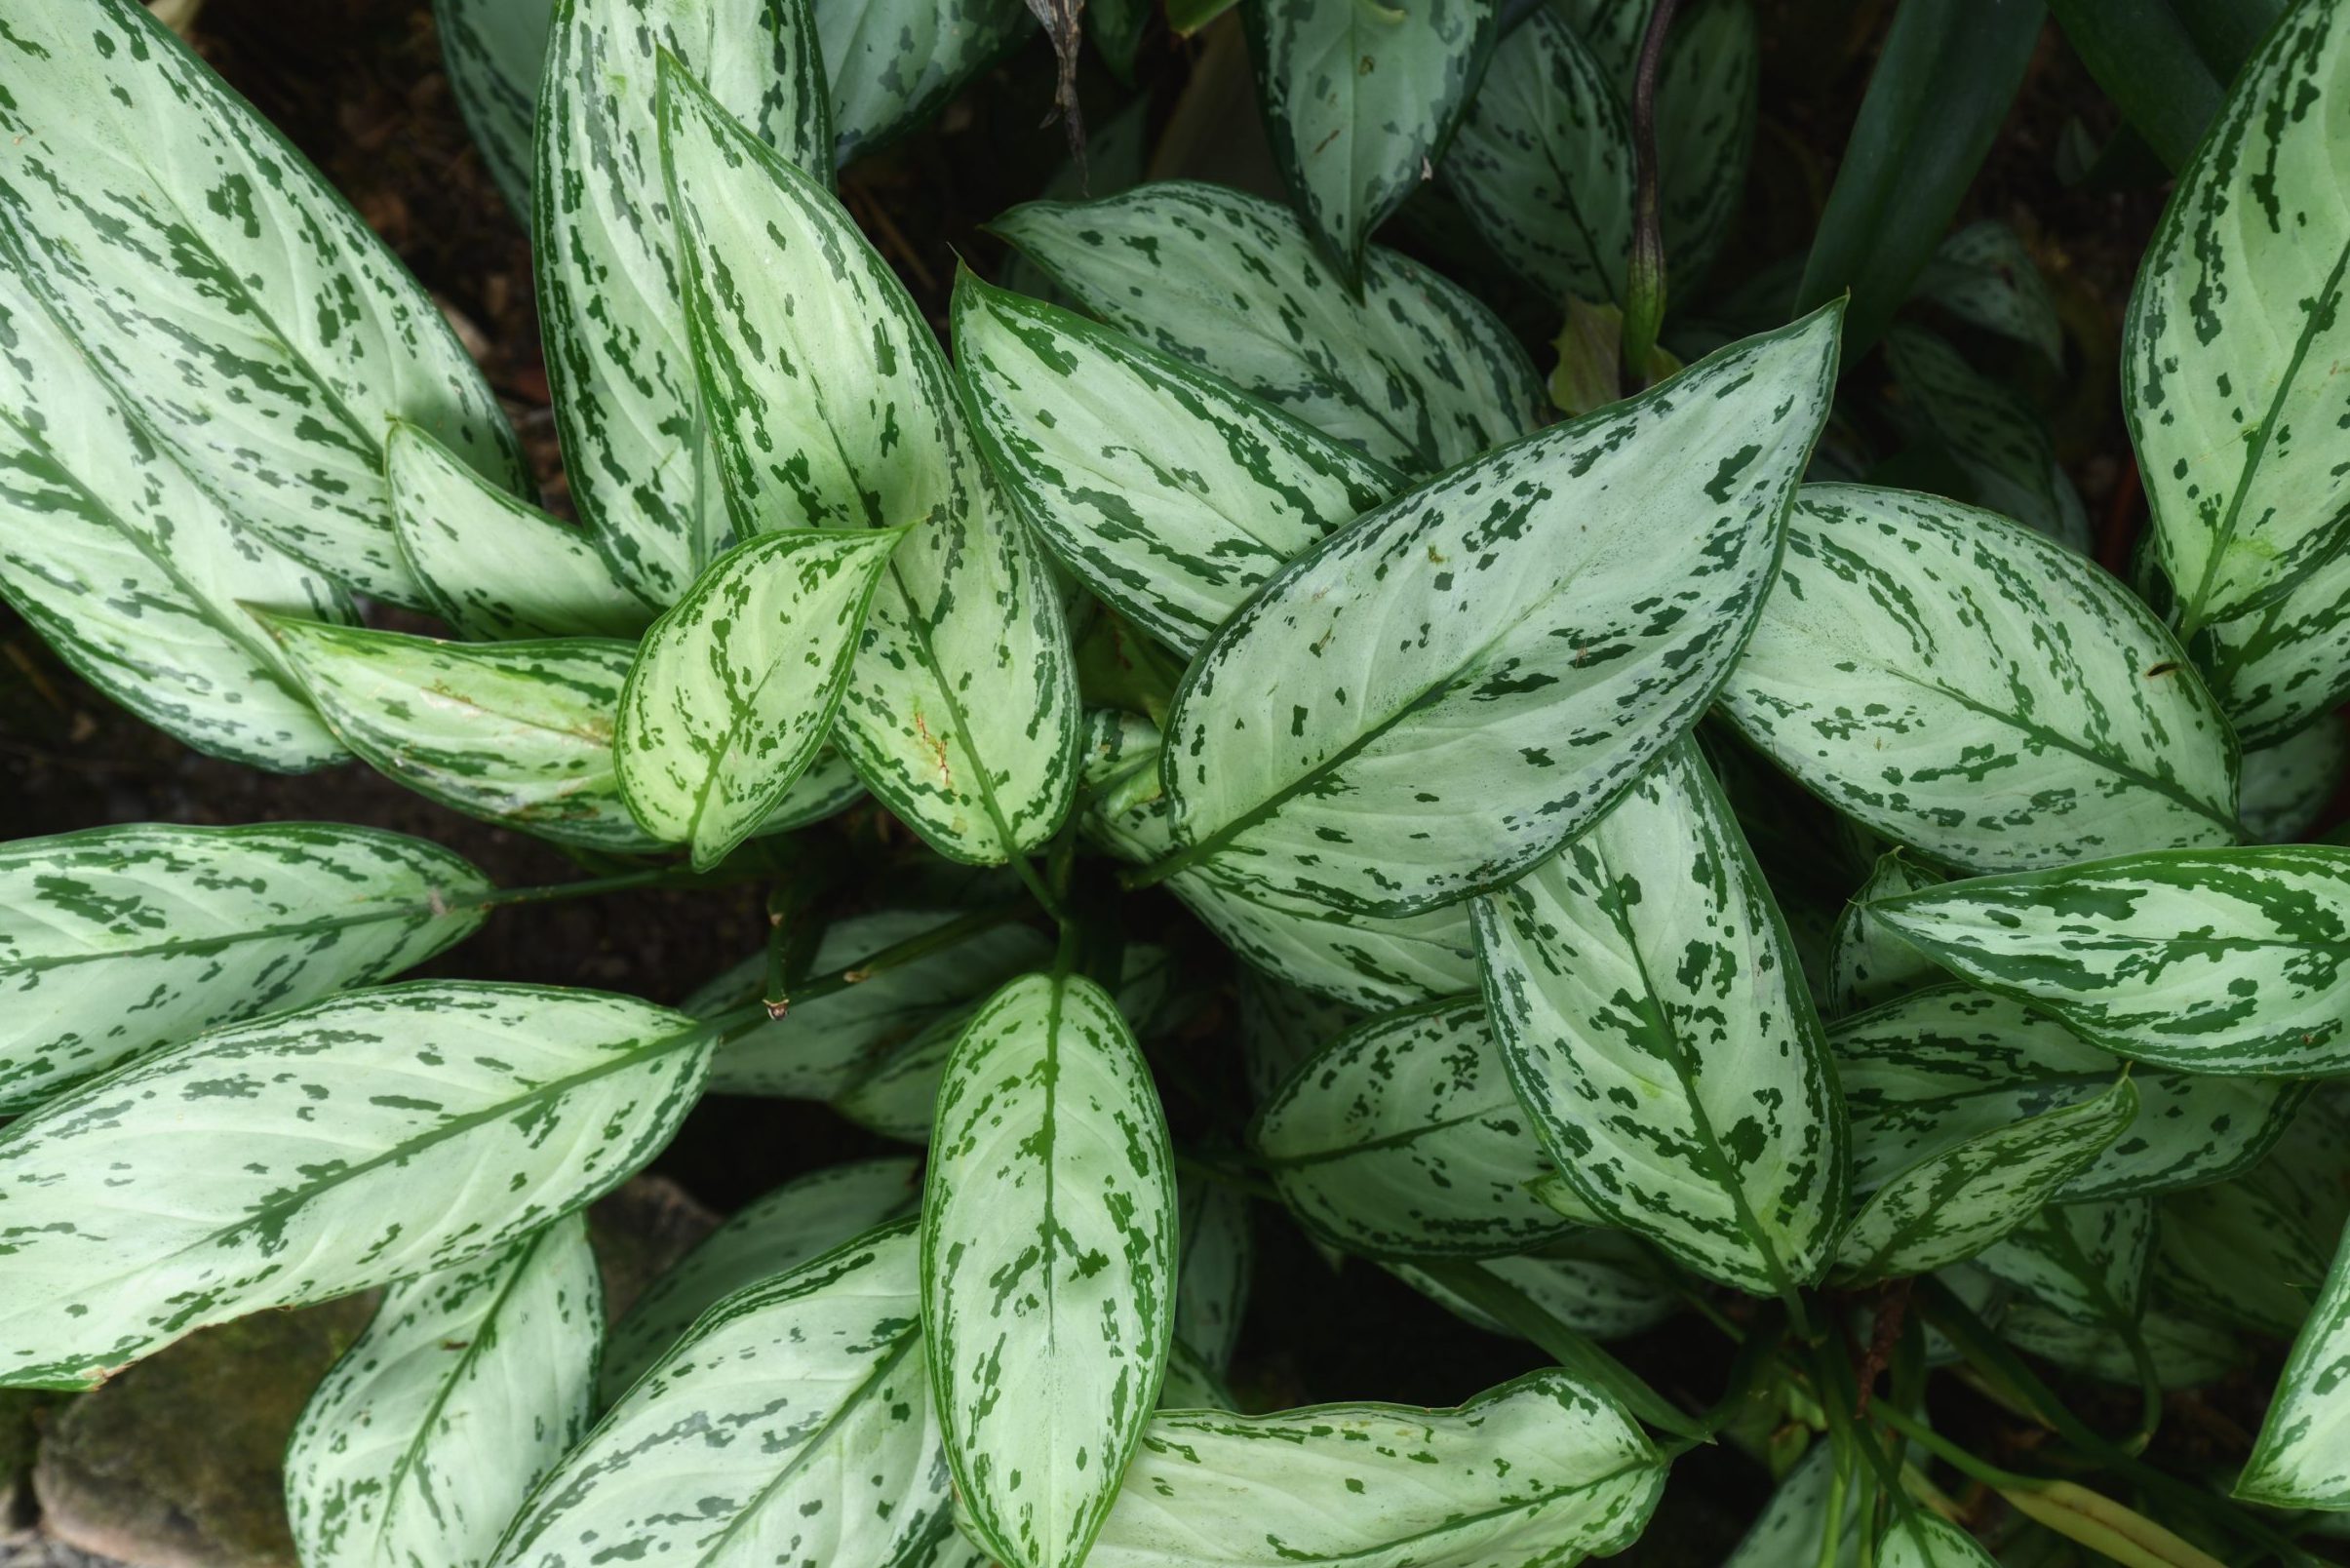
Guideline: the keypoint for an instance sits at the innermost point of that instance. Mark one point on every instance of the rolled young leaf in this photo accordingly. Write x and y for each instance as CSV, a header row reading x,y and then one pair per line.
x,y
131,572
494,566
894,64
231,302
1355,960
1049,1266
1866,962
1518,632
1402,1139
1540,1469
464,1391
1542,165
1170,494
203,926
832,407
495,51
790,1425
1358,102
1415,372
2302,1457
2209,961
365,1139
734,689
806,1217
820,1049
2234,327
627,407
1953,1051
1660,1036
1962,684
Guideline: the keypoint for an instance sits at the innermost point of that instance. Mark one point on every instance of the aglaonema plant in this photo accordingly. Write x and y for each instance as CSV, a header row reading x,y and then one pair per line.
x,y
1478,743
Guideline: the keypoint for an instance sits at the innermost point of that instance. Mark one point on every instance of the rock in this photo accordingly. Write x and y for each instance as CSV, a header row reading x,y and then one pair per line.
x,y
639,1231
177,1462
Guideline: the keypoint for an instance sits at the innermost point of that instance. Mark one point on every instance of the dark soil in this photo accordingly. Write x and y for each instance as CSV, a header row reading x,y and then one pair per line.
x,y
358,84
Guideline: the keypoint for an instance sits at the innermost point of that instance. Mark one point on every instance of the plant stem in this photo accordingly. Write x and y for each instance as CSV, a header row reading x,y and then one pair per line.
x,y
595,886
1644,279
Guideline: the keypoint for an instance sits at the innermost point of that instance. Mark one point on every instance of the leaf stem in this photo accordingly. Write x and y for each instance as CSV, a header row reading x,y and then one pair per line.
x,y
1644,277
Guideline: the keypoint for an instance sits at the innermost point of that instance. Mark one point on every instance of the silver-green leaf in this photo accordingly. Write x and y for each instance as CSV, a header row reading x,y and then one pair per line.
x,y
1599,1283
131,572
1662,1038
1215,1258
1517,635
492,566
468,1387
117,940
369,1138
1402,1139
791,1426
1540,1471
1866,962
2207,960
1983,276
1966,687
1170,494
2086,1261
1415,372
1996,438
1049,1265
495,51
832,407
2235,327
2289,784
894,64
237,307
803,1219
627,405
734,687
1358,100
2302,1457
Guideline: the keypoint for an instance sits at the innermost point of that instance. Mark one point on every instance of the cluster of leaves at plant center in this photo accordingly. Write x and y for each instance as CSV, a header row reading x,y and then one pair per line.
x,y
1665,875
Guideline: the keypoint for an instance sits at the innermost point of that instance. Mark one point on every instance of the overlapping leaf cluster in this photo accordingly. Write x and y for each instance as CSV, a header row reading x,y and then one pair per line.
x,y
1260,578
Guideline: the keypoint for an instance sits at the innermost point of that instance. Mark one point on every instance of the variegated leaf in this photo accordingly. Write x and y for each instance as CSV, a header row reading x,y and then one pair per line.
x,y
238,308
833,406
1049,1266
1169,492
495,51
365,1139
2276,670
1662,1040
734,687
1358,100
1964,685
1916,1539
117,940
2209,961
1415,372
803,1219
1542,1470
821,1048
1518,632
2086,1261
2235,328
464,1391
130,572
790,1425
894,64
494,566
1933,1048
1939,1177
2287,785
1402,1139
1217,1253
2245,1252
1281,1027
1191,1383
1866,962
2302,1458
1358,960
1983,276
513,732
1790,1532
1598,1283
627,405
1996,438
2184,1351
1543,164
